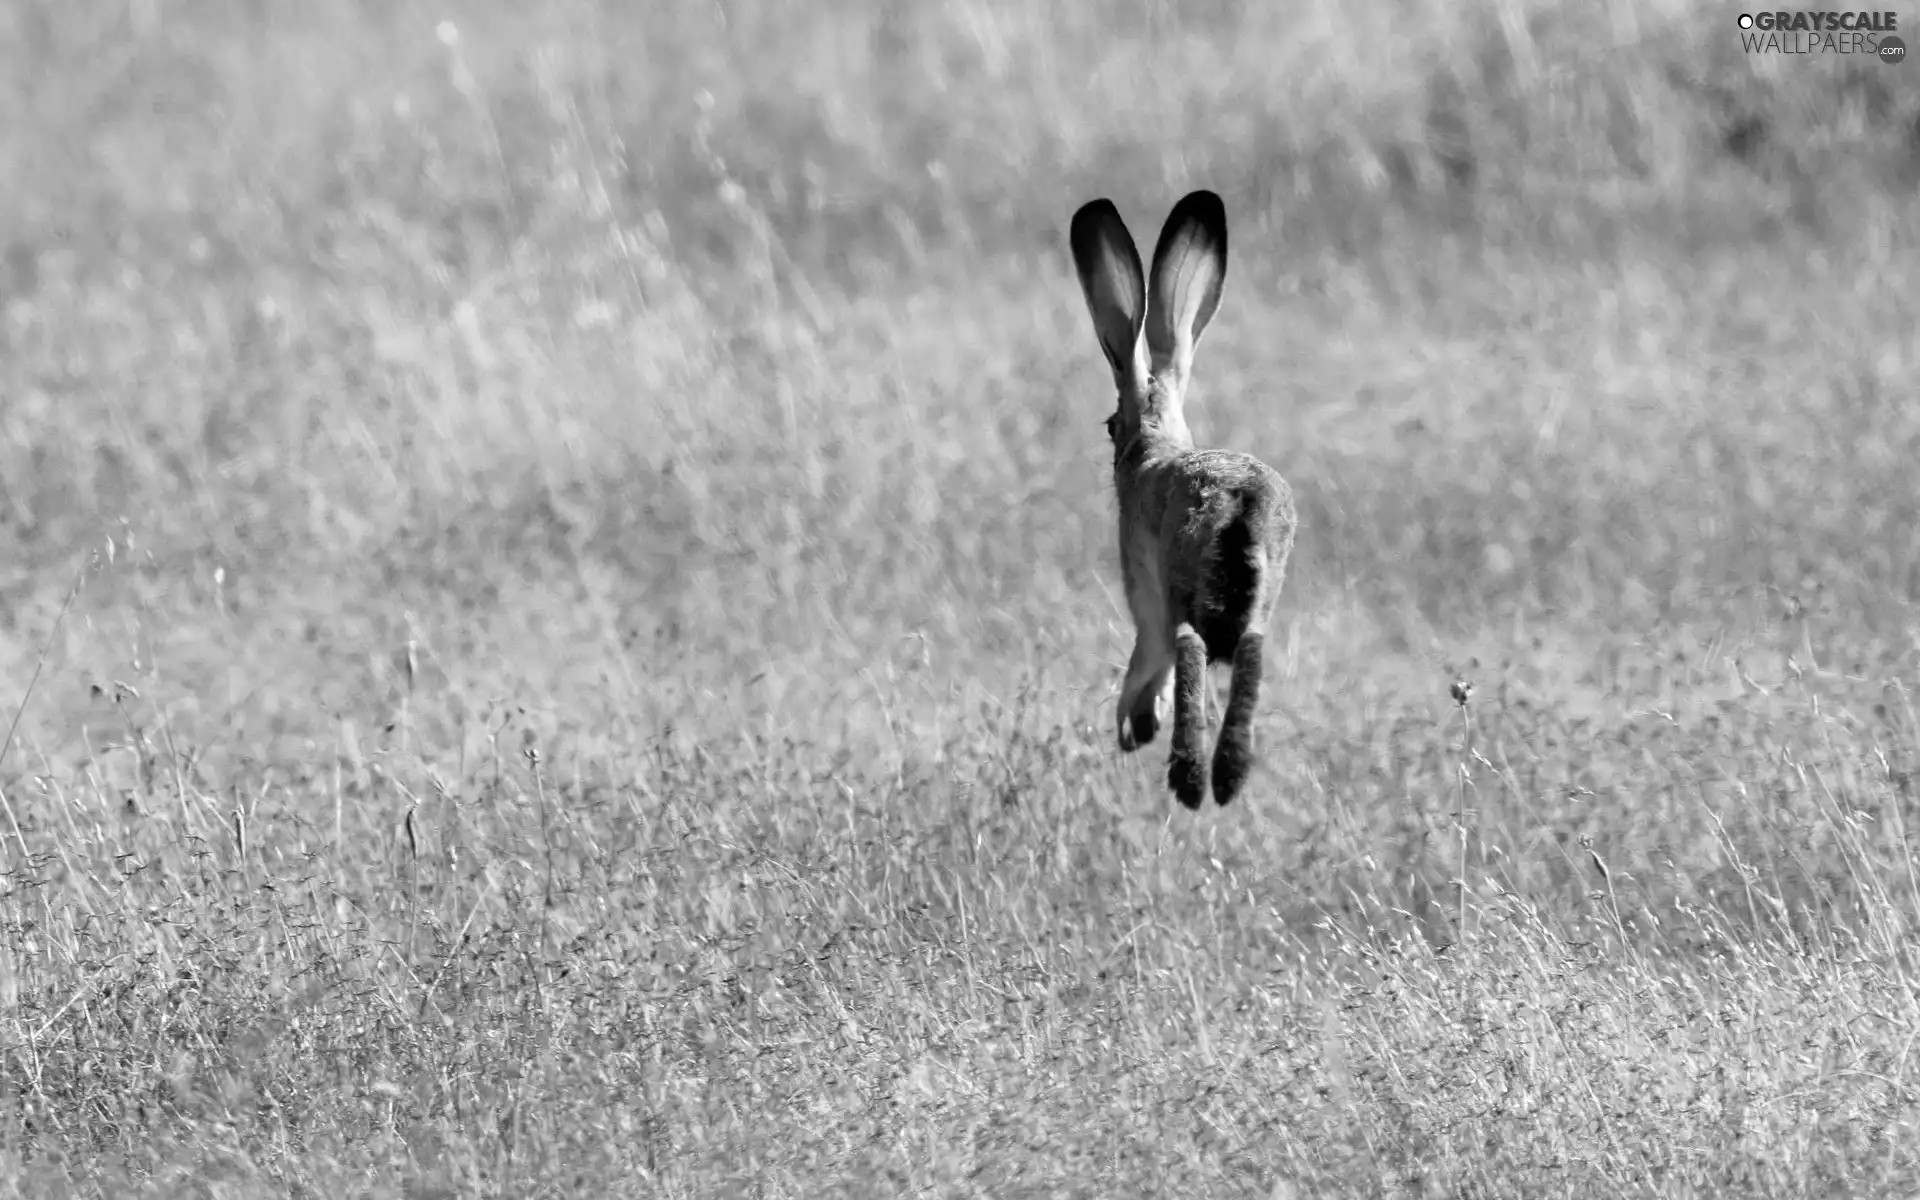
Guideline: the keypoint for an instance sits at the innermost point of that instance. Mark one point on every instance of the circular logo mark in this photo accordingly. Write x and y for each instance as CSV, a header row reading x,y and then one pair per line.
x,y
1746,21
1892,50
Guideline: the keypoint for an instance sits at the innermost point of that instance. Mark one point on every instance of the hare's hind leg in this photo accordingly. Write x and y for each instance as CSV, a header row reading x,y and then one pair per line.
x,y
1187,765
1233,756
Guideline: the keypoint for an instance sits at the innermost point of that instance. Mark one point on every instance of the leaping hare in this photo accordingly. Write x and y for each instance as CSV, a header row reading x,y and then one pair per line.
x,y
1204,534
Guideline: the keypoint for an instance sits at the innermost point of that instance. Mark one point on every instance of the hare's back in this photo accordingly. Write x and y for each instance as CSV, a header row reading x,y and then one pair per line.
x,y
1228,481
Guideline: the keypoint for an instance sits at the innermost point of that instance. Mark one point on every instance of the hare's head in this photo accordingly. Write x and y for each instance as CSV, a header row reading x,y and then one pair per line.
x,y
1148,326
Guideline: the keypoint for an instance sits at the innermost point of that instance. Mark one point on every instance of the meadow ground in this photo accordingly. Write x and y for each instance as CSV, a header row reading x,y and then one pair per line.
x,y
557,573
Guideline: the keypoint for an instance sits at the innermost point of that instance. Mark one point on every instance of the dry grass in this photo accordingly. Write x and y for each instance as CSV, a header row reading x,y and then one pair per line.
x,y
593,662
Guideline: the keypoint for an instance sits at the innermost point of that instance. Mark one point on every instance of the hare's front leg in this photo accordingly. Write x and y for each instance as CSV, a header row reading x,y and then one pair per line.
x,y
1144,695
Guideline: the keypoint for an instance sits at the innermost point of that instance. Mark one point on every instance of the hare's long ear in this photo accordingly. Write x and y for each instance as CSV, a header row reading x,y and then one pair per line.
x,y
1115,287
1189,265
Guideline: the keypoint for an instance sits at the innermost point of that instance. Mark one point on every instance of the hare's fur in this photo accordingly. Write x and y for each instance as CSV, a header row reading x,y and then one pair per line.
x,y
1204,534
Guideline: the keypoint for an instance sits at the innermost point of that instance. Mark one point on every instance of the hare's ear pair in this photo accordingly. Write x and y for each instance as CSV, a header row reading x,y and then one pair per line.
x,y
1189,267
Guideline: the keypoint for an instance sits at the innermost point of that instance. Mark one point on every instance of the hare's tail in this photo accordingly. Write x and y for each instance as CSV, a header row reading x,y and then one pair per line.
x,y
1187,764
1239,577
1239,567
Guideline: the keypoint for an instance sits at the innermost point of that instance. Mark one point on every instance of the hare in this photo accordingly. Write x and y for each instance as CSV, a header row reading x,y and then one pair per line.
x,y
1204,534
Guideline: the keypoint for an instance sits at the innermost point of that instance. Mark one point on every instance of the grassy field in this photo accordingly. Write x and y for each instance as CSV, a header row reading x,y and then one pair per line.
x,y
557,574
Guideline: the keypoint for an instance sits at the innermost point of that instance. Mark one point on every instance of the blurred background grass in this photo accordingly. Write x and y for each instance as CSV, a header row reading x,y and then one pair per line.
x,y
717,371
709,380
399,290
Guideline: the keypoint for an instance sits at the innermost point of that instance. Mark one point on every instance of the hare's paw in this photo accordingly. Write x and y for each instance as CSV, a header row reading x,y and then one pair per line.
x,y
1187,775
1138,728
